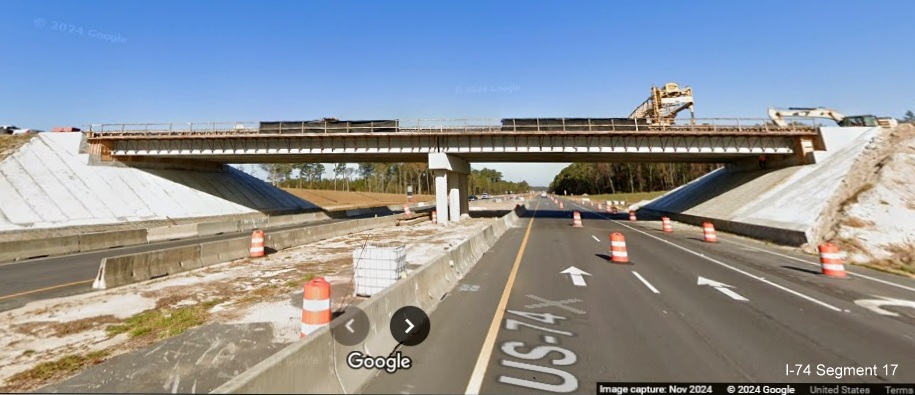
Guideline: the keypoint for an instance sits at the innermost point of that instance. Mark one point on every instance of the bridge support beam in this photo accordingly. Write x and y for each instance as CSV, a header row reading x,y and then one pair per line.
x,y
450,186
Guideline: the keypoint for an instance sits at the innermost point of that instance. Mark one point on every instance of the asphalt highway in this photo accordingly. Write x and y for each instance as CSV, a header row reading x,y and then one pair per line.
x,y
682,310
44,278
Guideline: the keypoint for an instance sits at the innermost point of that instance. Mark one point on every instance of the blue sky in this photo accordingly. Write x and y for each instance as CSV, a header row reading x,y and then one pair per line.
x,y
73,63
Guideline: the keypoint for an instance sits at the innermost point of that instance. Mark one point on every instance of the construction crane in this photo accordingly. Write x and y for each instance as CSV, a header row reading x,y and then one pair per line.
x,y
778,117
662,106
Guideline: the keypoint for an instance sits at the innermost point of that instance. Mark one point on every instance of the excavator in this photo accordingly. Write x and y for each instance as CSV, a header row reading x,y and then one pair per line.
x,y
778,117
664,103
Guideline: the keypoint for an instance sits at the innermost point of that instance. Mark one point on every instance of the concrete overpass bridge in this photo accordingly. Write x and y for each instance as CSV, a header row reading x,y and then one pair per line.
x,y
450,145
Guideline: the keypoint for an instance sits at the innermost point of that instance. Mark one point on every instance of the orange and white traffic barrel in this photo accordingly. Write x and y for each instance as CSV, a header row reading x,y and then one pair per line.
x,y
561,207
406,210
666,225
609,210
576,219
315,306
831,260
257,244
632,215
618,248
434,217
709,231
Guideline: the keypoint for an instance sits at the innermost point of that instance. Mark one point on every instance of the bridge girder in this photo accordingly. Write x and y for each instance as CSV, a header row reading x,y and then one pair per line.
x,y
647,147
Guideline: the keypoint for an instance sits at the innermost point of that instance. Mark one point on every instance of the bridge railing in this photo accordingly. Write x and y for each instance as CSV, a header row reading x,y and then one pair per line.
x,y
646,125
175,127
482,125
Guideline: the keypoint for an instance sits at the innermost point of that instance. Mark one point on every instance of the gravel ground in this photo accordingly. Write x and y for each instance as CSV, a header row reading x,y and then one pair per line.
x,y
242,291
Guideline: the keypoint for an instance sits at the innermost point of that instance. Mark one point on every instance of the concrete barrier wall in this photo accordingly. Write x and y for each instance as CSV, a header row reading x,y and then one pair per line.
x,y
221,251
300,365
311,367
171,232
132,268
24,249
251,224
103,240
215,228
775,235
18,250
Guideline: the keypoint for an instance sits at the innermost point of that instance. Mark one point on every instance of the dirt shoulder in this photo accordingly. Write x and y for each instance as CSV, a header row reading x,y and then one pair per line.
x,y
875,225
344,200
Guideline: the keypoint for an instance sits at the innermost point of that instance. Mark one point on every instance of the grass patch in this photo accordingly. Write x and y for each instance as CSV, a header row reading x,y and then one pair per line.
x,y
628,197
856,222
261,293
59,329
170,300
57,369
853,199
901,262
71,327
10,143
300,282
163,323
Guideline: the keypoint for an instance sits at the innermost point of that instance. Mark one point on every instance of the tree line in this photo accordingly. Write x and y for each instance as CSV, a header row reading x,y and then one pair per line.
x,y
600,178
381,177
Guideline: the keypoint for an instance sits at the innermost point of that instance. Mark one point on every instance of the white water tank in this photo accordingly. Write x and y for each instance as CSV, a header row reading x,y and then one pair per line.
x,y
377,267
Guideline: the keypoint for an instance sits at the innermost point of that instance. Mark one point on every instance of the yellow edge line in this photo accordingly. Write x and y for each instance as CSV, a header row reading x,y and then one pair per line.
x,y
479,370
46,289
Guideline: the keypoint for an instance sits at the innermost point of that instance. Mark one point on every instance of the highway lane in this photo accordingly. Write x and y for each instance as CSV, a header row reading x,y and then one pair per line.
x,y
650,320
44,278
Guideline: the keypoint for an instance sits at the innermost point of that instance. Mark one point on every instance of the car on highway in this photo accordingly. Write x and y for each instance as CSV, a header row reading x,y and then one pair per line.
x,y
485,195
542,194
472,198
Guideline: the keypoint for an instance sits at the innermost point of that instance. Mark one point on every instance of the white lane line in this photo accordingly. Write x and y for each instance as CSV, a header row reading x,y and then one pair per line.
x,y
647,284
791,291
595,238
817,264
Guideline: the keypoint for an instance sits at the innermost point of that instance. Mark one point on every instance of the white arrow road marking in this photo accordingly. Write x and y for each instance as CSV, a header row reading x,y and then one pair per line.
x,y
875,304
595,238
349,325
408,323
647,284
576,274
723,288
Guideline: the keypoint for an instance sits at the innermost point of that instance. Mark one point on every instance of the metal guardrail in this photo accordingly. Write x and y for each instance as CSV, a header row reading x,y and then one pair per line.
x,y
452,126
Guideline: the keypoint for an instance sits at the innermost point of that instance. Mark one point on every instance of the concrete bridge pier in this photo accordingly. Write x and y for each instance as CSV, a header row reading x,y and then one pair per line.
x,y
450,186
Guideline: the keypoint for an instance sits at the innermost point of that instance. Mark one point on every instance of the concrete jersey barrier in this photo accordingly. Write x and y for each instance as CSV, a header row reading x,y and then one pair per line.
x,y
64,245
132,268
171,232
103,240
317,364
24,249
776,235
